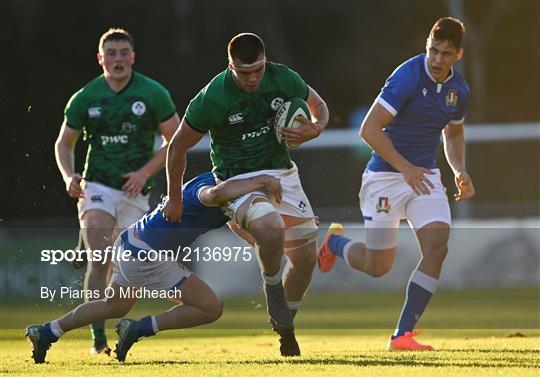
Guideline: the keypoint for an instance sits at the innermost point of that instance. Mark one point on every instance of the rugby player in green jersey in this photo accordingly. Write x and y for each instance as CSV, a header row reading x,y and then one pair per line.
x,y
118,113
237,108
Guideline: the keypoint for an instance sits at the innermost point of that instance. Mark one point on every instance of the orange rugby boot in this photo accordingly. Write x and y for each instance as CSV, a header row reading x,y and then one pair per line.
x,y
407,342
325,258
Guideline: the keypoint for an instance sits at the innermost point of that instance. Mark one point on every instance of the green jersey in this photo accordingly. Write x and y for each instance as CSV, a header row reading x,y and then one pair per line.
x,y
119,126
241,124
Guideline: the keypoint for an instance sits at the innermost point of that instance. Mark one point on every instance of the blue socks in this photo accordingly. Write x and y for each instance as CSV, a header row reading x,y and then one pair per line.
x,y
47,332
146,328
419,291
337,244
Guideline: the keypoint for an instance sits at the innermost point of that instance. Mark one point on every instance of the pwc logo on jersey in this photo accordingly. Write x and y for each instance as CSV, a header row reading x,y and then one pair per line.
x,y
138,108
276,103
114,139
452,97
236,119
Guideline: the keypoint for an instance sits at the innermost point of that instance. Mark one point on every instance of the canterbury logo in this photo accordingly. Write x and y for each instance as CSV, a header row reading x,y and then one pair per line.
x,y
236,118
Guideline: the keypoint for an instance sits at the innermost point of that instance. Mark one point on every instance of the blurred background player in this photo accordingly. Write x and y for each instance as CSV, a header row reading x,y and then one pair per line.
x,y
238,108
119,113
197,304
423,96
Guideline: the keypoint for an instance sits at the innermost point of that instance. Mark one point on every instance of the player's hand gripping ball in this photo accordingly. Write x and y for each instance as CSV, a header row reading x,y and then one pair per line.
x,y
286,117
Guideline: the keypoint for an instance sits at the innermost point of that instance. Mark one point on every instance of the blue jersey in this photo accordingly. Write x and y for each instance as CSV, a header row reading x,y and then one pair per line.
x,y
197,219
421,108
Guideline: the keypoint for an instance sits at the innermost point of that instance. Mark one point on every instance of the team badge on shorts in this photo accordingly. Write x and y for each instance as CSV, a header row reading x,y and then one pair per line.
x,y
383,206
452,97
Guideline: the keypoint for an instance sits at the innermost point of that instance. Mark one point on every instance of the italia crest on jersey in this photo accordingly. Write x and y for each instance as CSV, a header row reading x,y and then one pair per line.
x,y
452,97
383,206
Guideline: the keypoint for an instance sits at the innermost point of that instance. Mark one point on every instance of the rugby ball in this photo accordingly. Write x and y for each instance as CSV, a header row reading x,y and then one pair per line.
x,y
285,117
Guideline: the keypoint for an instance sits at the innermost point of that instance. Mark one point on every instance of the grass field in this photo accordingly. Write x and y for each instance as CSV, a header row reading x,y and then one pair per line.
x,y
476,333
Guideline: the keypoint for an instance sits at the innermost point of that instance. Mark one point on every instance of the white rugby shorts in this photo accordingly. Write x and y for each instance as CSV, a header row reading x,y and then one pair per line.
x,y
126,210
137,270
385,199
294,201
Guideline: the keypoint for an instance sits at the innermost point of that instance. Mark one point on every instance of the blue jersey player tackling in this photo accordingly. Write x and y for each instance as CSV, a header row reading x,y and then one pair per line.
x,y
422,98
195,302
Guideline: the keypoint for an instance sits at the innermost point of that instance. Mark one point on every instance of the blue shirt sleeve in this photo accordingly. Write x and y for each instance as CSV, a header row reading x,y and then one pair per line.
x,y
462,108
191,190
398,88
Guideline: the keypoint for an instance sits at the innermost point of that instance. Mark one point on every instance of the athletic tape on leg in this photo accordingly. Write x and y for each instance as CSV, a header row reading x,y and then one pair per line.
x,y
257,210
305,230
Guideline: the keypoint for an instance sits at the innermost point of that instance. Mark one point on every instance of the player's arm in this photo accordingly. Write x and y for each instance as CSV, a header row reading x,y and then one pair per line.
x,y
372,133
183,139
64,151
230,189
318,109
310,129
136,180
454,149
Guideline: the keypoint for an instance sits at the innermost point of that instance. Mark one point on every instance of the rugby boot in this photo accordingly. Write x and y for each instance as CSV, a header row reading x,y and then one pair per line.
x,y
288,346
98,348
127,330
325,258
407,342
41,338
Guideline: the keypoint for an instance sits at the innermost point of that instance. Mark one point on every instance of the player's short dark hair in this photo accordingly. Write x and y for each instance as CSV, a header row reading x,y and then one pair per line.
x,y
116,34
246,47
448,29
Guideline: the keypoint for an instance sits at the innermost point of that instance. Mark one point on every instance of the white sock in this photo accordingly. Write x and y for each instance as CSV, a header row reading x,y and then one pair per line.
x,y
272,280
55,329
154,324
294,305
427,282
346,250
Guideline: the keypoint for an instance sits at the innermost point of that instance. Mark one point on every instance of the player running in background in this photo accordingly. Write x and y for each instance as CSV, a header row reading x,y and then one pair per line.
x,y
119,114
423,96
238,108
198,303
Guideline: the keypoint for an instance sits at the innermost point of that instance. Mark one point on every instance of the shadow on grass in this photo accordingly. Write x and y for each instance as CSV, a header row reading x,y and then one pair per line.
x,y
410,359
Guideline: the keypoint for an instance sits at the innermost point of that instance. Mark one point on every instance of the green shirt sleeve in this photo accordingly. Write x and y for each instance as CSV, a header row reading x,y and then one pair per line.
x,y
201,113
296,85
74,115
164,105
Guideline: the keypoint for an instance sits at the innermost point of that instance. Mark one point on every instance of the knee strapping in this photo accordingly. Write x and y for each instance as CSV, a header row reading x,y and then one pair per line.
x,y
257,210
306,231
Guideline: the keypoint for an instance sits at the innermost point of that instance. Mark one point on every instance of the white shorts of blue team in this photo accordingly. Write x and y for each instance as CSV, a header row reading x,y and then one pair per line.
x,y
143,268
385,199
126,210
294,201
